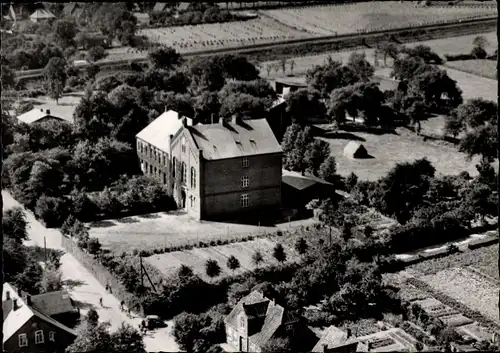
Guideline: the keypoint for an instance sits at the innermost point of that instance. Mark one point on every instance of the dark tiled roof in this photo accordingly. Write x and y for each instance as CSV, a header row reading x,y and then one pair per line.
x,y
53,303
231,140
297,182
253,297
272,322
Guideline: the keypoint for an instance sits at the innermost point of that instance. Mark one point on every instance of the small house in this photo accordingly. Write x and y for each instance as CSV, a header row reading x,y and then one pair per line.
x,y
298,190
355,150
42,15
46,113
288,85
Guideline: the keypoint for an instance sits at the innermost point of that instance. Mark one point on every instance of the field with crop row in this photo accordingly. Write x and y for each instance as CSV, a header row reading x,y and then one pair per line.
x,y
196,258
369,16
460,283
218,35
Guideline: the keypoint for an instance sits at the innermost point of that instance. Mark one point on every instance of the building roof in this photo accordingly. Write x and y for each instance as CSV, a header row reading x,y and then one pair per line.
x,y
159,130
256,305
332,338
42,14
70,7
46,111
293,81
386,84
141,16
17,318
235,139
183,6
53,303
353,147
299,181
392,340
160,6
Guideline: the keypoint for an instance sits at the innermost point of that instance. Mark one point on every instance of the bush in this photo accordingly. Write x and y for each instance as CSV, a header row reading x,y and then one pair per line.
x,y
93,246
455,57
51,210
478,53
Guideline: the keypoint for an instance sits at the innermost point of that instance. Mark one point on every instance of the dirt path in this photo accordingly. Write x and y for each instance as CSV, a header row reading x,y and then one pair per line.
x,y
85,289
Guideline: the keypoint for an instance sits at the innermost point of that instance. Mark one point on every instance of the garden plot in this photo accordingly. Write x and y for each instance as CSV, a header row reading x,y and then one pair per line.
x,y
468,288
351,18
221,35
196,258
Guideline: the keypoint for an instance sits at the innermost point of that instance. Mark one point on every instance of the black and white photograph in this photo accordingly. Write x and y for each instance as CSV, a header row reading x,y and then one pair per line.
x,y
250,176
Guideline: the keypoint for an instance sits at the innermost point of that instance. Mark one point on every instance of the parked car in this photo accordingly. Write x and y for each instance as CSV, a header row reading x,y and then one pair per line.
x,y
154,321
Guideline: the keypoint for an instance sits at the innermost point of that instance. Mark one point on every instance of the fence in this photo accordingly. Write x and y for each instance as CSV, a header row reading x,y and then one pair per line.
x,y
102,275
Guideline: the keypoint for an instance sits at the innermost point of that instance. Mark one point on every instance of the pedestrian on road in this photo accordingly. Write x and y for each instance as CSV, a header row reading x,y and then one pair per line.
x,y
100,301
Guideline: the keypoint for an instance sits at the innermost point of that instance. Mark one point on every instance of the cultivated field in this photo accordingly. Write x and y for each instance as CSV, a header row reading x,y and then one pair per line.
x,y
351,18
474,86
484,68
222,35
460,283
484,260
158,230
196,258
389,149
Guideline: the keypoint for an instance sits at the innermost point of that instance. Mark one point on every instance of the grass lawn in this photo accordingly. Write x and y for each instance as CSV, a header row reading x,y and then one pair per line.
x,y
474,86
484,68
196,258
158,230
389,149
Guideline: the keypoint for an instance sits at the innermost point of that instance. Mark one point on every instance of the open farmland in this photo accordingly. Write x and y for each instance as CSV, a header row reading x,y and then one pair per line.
x,y
196,258
222,35
484,68
389,149
158,230
474,86
460,283
351,18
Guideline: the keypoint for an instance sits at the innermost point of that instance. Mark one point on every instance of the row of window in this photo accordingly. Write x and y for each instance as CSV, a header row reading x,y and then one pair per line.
x,y
39,338
153,153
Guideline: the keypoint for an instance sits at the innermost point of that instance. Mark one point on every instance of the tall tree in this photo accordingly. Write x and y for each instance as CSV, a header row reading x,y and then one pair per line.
x,y
304,104
279,253
64,32
212,268
127,339
328,169
232,263
55,77
358,63
164,57
257,258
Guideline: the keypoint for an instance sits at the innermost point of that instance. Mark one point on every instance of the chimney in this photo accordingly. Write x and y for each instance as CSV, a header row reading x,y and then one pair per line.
x,y
184,122
28,299
15,306
7,295
325,347
165,108
348,333
47,111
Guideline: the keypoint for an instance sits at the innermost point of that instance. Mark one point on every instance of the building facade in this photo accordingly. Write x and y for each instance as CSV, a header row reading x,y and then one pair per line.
x,y
213,170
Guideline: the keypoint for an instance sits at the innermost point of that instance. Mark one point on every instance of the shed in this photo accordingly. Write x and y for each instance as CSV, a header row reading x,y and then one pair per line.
x,y
355,150
41,15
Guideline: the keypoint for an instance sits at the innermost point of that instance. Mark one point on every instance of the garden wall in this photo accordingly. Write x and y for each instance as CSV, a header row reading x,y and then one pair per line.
x,y
102,275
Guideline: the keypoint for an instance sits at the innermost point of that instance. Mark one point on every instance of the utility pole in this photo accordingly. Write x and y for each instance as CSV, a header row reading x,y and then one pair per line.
x,y
45,248
142,275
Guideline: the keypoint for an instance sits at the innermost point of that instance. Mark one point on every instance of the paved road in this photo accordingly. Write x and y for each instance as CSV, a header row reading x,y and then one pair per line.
x,y
85,289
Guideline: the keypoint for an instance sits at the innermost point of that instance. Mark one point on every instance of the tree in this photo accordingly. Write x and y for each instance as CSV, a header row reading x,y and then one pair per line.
x,y
127,339
93,246
51,280
96,53
91,338
351,181
330,76
304,104
278,345
8,78
388,49
328,169
257,258
55,76
124,26
317,153
92,317
29,279
233,263
188,328
478,53
425,53
291,63
92,71
269,67
301,246
358,63
212,268
185,272
15,225
164,57
279,253
64,32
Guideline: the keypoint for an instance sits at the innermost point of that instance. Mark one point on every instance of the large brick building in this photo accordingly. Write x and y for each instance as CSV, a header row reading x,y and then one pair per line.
x,y
213,170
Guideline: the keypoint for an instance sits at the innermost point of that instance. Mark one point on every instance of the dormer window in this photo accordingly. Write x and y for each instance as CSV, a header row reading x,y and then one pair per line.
x,y
242,322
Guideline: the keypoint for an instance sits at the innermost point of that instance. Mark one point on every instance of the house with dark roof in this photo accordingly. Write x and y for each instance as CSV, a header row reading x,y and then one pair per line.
x,y
213,170
27,328
256,319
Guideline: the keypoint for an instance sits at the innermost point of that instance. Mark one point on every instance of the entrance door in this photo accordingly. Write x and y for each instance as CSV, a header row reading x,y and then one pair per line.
x,y
240,348
183,199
